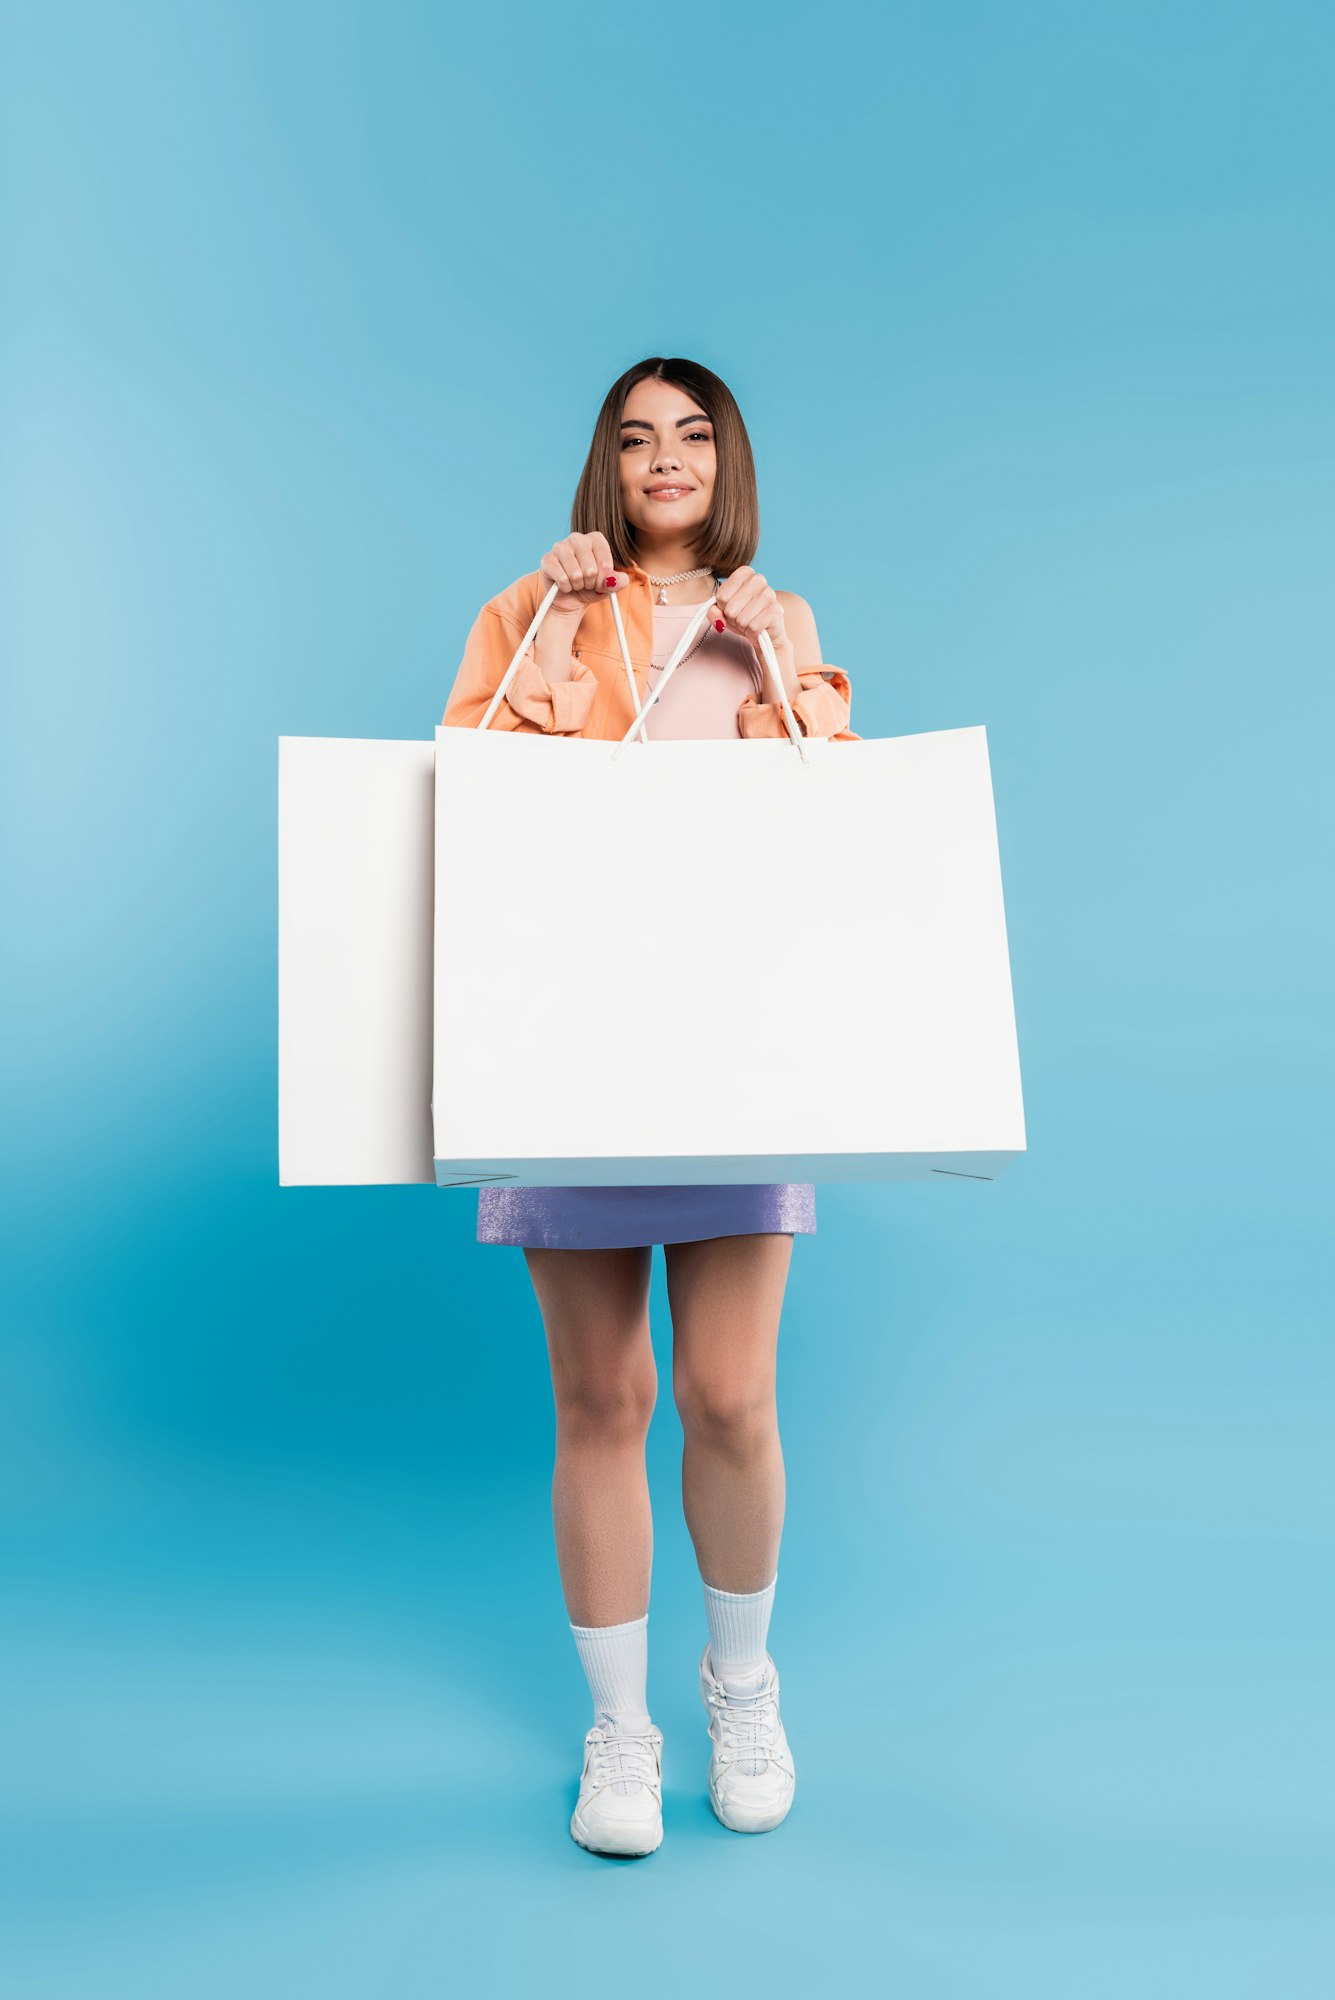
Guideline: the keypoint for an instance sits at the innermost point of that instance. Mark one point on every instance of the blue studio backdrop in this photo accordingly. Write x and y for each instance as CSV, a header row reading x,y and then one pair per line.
x,y
307,314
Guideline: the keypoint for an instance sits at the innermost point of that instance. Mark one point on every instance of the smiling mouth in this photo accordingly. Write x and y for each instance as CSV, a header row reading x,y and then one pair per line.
x,y
667,492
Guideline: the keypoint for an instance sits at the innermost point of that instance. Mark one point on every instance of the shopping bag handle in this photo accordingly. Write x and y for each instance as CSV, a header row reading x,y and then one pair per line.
x,y
523,647
679,653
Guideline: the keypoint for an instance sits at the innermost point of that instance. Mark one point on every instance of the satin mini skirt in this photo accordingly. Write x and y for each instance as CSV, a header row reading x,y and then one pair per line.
x,y
621,1218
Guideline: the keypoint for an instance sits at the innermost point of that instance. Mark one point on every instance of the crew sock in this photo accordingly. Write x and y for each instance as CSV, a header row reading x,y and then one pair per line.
x,y
738,1629
615,1659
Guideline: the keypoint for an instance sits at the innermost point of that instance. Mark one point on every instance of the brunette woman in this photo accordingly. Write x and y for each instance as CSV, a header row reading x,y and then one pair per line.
x,y
665,515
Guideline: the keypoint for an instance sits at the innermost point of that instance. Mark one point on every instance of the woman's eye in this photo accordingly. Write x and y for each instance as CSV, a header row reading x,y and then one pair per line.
x,y
703,435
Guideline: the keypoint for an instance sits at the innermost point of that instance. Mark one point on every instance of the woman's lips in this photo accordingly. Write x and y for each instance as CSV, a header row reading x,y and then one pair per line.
x,y
670,493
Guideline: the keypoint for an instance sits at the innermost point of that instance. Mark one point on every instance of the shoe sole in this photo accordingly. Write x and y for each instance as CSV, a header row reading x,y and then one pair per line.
x,y
751,1822
627,1841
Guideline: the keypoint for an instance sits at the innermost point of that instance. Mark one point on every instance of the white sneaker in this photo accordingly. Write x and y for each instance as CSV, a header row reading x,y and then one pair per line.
x,y
620,1807
751,1775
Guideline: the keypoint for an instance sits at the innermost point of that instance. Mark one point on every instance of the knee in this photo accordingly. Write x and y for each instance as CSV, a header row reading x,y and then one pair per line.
x,y
731,1413
613,1407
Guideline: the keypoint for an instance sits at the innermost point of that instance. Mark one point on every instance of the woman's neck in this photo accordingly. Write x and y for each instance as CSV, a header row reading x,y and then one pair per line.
x,y
672,560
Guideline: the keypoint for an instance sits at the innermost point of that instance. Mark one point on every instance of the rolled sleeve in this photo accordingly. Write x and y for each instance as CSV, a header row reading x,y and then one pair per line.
x,y
558,708
821,707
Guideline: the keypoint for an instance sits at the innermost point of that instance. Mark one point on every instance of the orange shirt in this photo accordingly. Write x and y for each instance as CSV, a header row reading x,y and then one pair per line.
x,y
596,700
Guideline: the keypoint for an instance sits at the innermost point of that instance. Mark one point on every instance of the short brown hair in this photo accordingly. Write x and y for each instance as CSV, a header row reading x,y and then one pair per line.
x,y
730,535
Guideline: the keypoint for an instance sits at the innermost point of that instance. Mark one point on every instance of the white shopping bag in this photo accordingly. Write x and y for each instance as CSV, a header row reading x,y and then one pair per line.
x,y
719,961
354,961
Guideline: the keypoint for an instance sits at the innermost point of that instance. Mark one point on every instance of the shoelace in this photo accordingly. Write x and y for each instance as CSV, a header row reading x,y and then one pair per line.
x,y
748,1726
624,1762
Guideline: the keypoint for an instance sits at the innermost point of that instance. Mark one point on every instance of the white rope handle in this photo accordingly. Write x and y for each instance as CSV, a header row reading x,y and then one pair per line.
x,y
678,655
682,649
538,617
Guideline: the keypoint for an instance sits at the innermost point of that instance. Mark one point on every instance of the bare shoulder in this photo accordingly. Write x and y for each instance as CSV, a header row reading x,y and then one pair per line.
x,y
800,621
792,603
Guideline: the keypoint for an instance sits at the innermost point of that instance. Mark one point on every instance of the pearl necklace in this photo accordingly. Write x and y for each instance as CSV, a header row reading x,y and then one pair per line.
x,y
663,581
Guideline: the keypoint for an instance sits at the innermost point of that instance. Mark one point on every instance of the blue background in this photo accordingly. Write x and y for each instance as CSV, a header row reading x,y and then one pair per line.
x,y
308,312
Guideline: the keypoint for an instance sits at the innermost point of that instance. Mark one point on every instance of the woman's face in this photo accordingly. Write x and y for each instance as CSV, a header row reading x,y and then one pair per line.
x,y
666,441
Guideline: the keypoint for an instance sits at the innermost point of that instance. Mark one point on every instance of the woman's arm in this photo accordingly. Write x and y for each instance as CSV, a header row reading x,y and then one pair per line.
x,y
820,706
552,692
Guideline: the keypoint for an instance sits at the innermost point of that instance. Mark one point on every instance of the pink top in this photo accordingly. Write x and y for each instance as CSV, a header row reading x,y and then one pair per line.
x,y
711,683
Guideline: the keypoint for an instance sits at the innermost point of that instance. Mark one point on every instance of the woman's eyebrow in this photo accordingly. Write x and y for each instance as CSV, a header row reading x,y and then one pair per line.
x,y
633,423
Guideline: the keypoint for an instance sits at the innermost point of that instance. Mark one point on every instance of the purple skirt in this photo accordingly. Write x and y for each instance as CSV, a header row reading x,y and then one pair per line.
x,y
621,1218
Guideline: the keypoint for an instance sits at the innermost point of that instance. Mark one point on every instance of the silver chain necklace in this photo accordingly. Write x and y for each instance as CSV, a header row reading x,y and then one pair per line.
x,y
662,582
681,577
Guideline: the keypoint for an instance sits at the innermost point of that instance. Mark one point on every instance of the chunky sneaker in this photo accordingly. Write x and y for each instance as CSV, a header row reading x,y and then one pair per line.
x,y
620,1808
751,1776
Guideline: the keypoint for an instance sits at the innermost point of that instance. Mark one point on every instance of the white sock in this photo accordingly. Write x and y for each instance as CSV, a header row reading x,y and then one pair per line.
x,y
738,1629
615,1659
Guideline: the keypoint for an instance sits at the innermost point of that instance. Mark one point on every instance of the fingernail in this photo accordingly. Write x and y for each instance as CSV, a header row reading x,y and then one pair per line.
x,y
718,624
611,583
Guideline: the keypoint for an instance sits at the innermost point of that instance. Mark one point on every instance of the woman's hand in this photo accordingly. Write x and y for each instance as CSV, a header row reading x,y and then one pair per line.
x,y
581,565
750,607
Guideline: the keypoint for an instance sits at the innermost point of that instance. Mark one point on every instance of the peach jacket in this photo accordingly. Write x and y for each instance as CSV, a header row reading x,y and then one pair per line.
x,y
596,700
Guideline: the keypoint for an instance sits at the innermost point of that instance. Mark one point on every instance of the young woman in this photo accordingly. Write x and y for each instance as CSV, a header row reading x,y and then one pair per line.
x,y
665,515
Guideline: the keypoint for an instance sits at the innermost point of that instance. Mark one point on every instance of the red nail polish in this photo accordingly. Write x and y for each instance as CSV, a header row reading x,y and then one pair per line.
x,y
611,582
718,624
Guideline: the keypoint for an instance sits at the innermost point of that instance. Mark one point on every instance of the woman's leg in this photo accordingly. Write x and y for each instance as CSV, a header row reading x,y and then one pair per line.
x,y
595,1309
726,1296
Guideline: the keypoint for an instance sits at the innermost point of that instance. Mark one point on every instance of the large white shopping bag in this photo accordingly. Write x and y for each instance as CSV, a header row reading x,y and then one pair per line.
x,y
354,961
736,960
